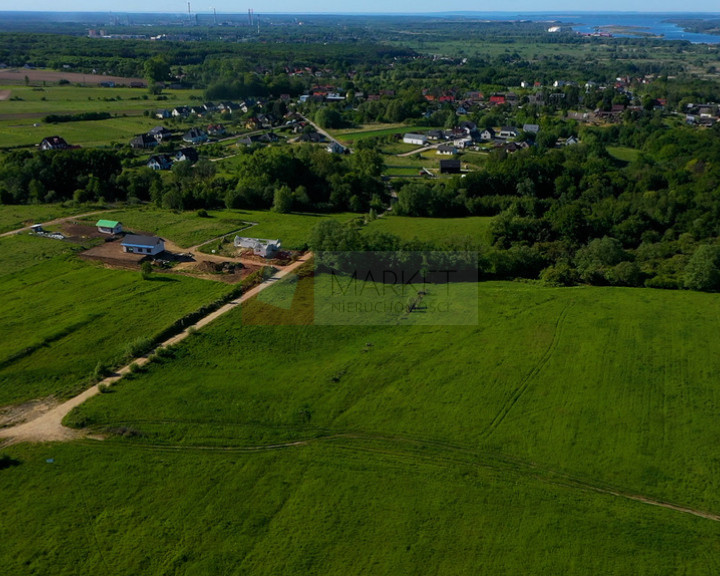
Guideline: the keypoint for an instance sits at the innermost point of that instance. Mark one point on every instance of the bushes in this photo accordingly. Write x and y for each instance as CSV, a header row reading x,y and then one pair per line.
x,y
83,116
138,347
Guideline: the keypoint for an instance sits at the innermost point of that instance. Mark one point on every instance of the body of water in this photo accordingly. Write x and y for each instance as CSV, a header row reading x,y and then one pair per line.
x,y
655,24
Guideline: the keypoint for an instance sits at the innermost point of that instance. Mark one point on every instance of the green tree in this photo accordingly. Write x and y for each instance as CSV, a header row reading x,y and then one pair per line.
x,y
156,69
146,270
703,270
283,200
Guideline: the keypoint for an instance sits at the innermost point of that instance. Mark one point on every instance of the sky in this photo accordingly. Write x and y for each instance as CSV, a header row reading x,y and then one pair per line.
x,y
359,6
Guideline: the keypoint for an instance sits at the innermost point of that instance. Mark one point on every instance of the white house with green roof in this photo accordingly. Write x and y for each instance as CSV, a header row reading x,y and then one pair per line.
x,y
109,226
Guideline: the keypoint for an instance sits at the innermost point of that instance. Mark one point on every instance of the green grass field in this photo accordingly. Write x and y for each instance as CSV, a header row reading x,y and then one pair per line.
x,y
61,315
435,229
293,230
374,131
21,116
623,153
14,217
188,229
514,446
608,386
184,228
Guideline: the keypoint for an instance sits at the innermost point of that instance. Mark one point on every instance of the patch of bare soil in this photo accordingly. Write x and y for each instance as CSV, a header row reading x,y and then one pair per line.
x,y
77,232
17,75
5,94
222,271
19,413
282,258
111,254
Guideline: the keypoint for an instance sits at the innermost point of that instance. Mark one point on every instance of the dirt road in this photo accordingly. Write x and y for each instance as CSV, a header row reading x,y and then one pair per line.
x,y
47,427
53,222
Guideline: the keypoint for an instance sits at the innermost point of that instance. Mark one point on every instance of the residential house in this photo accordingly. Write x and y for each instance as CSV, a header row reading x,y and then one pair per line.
x,y
268,138
143,141
136,244
163,114
314,137
54,143
160,133
109,226
335,148
159,162
186,155
464,142
216,129
468,126
195,136
435,135
531,128
487,135
446,150
180,112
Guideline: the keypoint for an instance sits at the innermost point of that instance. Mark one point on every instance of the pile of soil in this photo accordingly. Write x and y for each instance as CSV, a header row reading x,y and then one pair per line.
x,y
219,267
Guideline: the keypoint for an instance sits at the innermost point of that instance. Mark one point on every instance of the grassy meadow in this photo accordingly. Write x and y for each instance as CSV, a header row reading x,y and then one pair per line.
x,y
333,508
188,229
61,315
610,386
515,445
14,217
477,228
351,136
21,115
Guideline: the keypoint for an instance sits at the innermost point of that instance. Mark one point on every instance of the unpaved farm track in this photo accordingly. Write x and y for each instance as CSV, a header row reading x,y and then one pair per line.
x,y
48,426
53,222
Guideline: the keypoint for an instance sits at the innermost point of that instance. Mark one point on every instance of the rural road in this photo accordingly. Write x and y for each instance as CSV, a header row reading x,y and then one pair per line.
x,y
324,132
48,427
419,150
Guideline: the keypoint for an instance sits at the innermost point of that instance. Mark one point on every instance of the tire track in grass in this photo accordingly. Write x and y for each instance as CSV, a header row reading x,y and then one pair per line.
x,y
409,451
534,371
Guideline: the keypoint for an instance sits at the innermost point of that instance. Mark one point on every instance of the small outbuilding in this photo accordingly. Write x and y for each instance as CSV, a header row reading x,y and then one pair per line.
x,y
137,244
109,226
450,167
416,139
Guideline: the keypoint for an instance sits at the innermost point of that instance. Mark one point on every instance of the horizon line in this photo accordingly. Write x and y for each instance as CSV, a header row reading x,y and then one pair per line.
x,y
375,13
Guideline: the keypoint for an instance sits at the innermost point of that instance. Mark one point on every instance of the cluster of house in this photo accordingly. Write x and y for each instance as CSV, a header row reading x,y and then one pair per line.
x,y
201,110
160,134
702,114
322,94
467,134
